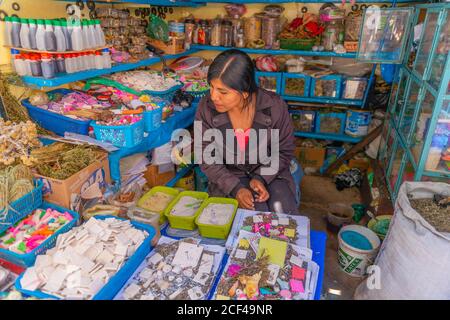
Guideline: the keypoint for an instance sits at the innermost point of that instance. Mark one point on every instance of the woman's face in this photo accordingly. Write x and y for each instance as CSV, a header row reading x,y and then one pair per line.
x,y
225,98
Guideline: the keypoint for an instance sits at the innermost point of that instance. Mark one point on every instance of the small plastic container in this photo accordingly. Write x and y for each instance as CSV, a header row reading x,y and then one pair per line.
x,y
303,120
182,222
170,191
326,87
295,85
354,88
126,136
331,122
216,231
270,81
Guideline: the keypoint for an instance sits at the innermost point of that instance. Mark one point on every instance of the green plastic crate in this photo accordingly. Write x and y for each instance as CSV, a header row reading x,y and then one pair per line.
x,y
167,190
297,44
185,223
214,231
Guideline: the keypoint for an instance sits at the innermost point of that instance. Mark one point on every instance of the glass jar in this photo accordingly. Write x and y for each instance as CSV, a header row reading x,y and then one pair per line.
x,y
195,33
271,27
252,29
227,33
207,30
240,39
238,24
333,34
352,27
189,26
201,36
216,33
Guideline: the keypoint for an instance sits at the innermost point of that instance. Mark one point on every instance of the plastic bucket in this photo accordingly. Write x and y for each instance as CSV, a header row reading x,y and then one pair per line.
x,y
357,124
358,247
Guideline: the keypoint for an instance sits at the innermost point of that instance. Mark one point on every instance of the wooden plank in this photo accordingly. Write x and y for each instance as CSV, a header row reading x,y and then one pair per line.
x,y
354,150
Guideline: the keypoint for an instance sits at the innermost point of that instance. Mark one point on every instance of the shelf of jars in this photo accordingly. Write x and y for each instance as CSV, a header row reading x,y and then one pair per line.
x,y
65,78
351,55
165,3
305,1
328,136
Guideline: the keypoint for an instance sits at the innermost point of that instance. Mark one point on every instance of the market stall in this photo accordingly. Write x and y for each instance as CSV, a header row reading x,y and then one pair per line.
x,y
96,203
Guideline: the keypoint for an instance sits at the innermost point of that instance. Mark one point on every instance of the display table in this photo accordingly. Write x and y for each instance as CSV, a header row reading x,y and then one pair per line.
x,y
318,245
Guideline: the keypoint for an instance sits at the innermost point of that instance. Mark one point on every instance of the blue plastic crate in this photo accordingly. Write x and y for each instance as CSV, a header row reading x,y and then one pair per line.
x,y
126,136
109,290
338,115
304,120
292,76
276,75
27,259
167,94
23,206
55,122
152,119
337,86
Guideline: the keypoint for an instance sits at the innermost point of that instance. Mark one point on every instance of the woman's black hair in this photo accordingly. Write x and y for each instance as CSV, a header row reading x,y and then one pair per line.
x,y
235,69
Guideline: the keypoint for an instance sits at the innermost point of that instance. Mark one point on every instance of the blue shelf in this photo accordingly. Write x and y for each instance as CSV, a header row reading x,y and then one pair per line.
x,y
166,3
155,139
437,174
83,75
324,100
327,136
304,1
277,52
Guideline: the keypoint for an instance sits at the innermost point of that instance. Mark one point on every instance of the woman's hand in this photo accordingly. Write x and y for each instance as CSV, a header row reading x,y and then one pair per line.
x,y
260,189
245,198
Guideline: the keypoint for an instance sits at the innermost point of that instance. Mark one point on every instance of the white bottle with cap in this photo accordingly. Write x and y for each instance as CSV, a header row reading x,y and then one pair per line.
x,y
77,35
25,34
7,31
60,38
40,35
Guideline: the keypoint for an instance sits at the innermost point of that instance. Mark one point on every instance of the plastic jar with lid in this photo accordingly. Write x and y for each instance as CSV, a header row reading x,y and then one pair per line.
x,y
252,29
216,32
48,71
60,63
201,33
333,34
106,59
271,27
226,34
19,65
36,69
27,59
98,60
195,34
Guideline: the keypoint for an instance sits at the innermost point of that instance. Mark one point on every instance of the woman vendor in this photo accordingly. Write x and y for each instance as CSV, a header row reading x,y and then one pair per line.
x,y
236,103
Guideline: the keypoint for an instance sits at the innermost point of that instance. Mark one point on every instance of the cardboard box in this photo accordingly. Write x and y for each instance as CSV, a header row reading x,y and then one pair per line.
x,y
310,157
67,193
362,164
159,175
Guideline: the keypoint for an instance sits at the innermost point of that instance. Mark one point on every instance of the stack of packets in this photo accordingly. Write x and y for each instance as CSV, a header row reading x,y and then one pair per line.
x,y
84,259
175,270
262,268
278,226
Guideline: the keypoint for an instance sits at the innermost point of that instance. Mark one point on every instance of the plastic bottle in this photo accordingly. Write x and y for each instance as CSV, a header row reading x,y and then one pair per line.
x,y
100,34
60,38
98,60
36,69
8,31
32,34
24,34
86,38
27,60
106,59
15,32
60,63
76,36
92,57
50,38
19,65
40,35
93,34
68,63
48,71
66,32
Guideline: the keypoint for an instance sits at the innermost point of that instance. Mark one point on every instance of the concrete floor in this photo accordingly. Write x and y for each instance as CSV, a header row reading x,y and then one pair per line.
x,y
317,193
